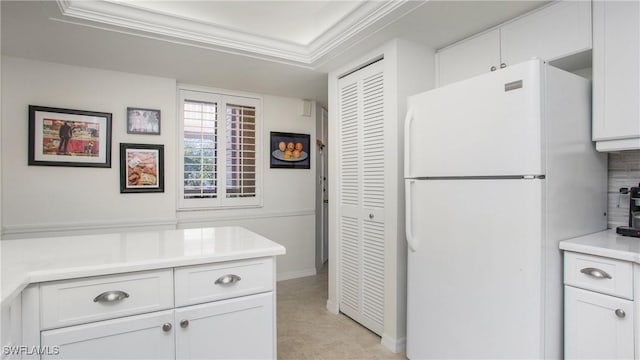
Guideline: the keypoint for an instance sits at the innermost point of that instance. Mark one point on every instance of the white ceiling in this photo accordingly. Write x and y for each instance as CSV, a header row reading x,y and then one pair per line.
x,y
272,47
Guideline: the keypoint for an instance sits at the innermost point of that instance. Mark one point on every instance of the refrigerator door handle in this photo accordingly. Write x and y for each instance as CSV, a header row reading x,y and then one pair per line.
x,y
411,241
407,142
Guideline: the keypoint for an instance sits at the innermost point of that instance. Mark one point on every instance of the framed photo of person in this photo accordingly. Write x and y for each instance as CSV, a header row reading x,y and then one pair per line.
x,y
66,137
143,121
141,168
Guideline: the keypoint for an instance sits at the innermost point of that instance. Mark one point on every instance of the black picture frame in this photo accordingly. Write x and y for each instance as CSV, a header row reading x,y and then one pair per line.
x,y
67,137
141,168
143,121
296,156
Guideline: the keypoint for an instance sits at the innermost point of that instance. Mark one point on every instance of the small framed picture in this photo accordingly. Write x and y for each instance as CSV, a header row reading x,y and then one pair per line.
x,y
141,168
143,121
290,151
66,137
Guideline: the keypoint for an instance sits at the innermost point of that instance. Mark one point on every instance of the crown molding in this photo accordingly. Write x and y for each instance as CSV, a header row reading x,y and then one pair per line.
x,y
122,17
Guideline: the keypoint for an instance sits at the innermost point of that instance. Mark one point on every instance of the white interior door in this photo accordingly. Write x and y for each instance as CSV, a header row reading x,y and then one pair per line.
x,y
489,125
361,196
325,185
474,275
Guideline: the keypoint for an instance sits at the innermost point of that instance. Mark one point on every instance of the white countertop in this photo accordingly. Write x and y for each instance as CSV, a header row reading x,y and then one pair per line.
x,y
26,261
607,244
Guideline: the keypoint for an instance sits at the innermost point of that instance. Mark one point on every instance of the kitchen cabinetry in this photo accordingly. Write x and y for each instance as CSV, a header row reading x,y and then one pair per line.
x,y
11,322
134,337
616,75
222,310
368,100
555,31
240,328
599,308
469,58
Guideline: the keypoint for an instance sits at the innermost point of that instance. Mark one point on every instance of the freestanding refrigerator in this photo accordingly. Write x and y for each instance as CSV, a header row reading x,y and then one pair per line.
x,y
498,169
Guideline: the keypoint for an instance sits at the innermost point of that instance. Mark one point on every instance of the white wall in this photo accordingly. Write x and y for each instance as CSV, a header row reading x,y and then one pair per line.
x,y
45,198
288,212
51,200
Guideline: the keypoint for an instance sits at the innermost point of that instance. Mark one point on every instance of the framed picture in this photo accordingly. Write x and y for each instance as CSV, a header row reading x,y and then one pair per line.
x,y
141,168
143,121
65,137
290,151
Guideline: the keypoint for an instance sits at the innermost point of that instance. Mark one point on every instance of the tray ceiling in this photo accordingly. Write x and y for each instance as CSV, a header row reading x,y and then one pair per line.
x,y
296,32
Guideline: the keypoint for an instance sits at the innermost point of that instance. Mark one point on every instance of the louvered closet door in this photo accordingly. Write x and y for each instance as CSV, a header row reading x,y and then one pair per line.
x,y
361,196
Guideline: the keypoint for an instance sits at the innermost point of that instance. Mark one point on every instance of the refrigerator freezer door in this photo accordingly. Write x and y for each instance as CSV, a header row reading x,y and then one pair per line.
x,y
489,125
474,280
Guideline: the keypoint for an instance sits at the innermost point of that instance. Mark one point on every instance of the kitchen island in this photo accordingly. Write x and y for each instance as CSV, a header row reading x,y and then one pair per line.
x,y
191,293
601,296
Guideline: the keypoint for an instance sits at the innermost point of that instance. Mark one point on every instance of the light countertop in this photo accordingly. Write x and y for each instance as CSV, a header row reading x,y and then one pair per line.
x,y
26,261
607,244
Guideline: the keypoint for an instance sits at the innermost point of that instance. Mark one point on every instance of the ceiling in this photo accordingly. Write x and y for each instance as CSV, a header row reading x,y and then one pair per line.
x,y
280,48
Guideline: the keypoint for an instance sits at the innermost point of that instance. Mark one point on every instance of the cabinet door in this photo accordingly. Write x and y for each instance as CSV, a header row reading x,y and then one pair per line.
x,y
468,58
556,31
616,70
133,337
597,326
240,328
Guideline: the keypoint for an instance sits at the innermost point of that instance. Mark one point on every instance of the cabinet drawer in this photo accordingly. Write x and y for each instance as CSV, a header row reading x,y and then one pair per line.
x,y
604,275
104,297
204,283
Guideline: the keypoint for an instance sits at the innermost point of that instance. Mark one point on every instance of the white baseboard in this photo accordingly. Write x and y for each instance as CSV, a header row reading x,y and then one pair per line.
x,y
393,344
296,274
333,307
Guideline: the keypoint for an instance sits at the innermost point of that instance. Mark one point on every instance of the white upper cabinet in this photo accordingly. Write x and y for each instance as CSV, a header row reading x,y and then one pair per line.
x,y
553,32
616,75
469,58
550,33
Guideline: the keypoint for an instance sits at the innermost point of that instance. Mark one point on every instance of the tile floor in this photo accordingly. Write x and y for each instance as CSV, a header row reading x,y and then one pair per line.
x,y
307,330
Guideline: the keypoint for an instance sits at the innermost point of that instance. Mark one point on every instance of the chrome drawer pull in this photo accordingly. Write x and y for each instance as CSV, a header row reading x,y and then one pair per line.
x,y
228,279
111,296
620,313
596,273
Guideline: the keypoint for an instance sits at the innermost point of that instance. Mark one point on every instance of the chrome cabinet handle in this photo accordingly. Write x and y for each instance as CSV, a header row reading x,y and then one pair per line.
x,y
620,313
503,65
166,327
111,296
371,216
184,323
596,273
228,279
493,68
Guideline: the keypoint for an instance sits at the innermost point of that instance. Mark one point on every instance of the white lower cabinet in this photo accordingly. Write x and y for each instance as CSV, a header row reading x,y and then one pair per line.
x,y
224,310
597,326
599,307
148,336
240,328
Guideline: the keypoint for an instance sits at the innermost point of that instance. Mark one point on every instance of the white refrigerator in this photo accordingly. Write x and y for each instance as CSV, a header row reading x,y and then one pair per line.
x,y
498,169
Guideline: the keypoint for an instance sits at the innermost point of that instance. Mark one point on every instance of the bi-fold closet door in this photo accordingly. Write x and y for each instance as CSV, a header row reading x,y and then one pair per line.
x,y
361,158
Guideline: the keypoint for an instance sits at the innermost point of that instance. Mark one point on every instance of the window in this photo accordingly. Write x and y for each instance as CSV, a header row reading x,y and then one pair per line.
x,y
220,144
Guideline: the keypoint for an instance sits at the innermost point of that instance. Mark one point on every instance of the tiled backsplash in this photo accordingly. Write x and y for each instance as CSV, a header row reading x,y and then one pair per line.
x,y
624,171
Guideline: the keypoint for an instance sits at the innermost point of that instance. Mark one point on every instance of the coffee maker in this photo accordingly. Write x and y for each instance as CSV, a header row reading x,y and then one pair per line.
x,y
634,214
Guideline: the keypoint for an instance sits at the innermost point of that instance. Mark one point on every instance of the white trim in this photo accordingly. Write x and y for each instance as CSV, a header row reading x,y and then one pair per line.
x,y
332,307
46,230
395,345
296,274
262,215
121,17
618,144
